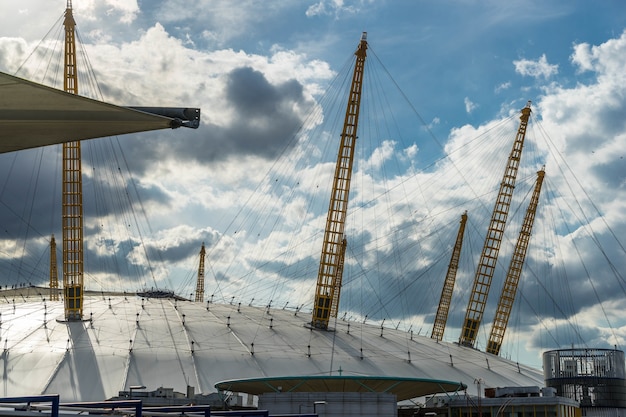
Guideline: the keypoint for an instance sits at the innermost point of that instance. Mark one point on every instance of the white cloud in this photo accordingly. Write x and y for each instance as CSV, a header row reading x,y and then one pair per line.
x,y
316,9
411,151
469,105
381,154
603,58
503,86
536,69
332,7
125,11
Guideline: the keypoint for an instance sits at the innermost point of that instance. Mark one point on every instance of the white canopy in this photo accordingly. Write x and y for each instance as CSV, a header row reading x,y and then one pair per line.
x,y
170,343
33,115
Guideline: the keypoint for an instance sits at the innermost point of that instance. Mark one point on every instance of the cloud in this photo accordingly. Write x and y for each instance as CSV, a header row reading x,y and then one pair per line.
x,y
251,105
469,105
262,211
332,7
601,59
536,69
503,86
124,11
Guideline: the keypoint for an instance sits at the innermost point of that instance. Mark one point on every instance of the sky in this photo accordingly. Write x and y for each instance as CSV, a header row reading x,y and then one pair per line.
x,y
252,183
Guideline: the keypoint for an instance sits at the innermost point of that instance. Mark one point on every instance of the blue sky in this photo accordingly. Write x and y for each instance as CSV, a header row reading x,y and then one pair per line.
x,y
259,71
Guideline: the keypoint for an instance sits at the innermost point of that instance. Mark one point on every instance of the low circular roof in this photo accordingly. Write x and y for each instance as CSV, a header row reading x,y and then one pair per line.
x,y
402,388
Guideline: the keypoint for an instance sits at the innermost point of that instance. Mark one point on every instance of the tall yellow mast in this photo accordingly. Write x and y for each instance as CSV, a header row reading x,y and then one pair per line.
x,y
339,278
491,248
54,271
72,190
200,284
507,296
329,274
448,285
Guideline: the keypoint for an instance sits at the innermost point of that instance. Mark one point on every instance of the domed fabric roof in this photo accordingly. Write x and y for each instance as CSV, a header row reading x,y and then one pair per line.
x,y
162,342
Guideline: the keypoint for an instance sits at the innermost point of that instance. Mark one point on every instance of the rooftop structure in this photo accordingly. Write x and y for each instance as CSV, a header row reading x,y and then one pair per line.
x,y
128,340
596,378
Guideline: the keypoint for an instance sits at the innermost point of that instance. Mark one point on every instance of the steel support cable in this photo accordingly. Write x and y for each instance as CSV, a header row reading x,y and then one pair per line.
x,y
32,184
432,135
141,237
190,278
91,76
382,304
57,25
89,73
554,302
125,202
573,242
357,209
539,316
282,160
587,223
516,313
279,256
382,98
401,289
513,282
96,91
247,208
478,196
372,132
556,244
104,171
606,317
278,218
99,160
23,215
88,152
390,212
23,220
414,174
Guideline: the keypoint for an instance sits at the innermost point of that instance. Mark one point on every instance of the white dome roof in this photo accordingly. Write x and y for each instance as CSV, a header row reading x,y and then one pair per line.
x,y
180,343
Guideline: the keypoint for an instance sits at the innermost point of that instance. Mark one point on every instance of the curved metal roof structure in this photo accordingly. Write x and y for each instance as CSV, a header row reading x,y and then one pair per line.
x,y
402,388
161,342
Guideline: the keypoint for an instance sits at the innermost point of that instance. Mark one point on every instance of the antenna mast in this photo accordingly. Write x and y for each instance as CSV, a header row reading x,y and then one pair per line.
x,y
54,271
491,248
507,296
448,286
73,269
200,285
331,261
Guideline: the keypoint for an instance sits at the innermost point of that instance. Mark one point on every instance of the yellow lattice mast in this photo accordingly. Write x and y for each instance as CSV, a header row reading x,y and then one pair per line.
x,y
329,274
491,248
507,296
72,190
54,271
448,285
200,284
338,279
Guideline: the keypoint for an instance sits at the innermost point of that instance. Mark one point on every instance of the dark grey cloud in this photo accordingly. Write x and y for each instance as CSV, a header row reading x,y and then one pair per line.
x,y
264,120
263,124
566,334
181,248
613,173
